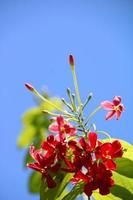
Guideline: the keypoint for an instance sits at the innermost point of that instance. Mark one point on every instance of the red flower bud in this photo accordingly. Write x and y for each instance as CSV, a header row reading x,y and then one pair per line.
x,y
71,60
29,87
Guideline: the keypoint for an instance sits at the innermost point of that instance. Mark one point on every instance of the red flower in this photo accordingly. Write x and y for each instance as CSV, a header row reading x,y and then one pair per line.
x,y
115,107
109,151
47,158
55,149
91,144
43,165
62,127
97,176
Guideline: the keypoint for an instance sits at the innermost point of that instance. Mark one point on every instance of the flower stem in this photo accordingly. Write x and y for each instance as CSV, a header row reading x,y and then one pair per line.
x,y
52,104
93,113
104,133
76,88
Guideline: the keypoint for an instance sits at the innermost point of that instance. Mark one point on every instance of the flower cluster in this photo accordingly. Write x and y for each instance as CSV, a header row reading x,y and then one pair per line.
x,y
90,160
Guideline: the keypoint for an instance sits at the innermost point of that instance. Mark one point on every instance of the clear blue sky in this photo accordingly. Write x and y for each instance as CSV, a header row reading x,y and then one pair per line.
x,y
36,38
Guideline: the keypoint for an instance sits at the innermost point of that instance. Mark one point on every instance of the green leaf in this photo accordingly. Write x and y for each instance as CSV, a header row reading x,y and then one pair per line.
x,y
125,167
36,118
123,189
34,182
47,106
30,115
26,136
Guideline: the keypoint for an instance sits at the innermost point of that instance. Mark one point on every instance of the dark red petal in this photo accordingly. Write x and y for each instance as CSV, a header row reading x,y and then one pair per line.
x,y
105,149
116,149
92,139
118,114
50,138
82,143
88,189
73,145
110,164
34,166
107,146
60,121
116,146
116,100
55,168
104,190
46,146
118,154
49,159
69,163
79,175
121,107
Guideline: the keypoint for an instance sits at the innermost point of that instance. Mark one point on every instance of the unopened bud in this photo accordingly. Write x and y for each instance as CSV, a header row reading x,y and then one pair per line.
x,y
29,87
69,92
71,61
90,96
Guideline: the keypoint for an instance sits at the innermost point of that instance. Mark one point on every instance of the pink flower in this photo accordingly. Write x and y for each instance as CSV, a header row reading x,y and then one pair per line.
x,y
115,108
62,127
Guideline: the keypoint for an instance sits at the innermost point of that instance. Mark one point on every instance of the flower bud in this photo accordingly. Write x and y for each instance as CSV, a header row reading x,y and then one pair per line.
x,y
71,61
29,87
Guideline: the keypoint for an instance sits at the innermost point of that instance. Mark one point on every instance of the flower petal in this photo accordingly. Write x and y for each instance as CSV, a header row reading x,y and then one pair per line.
x,y
110,115
118,114
73,131
88,189
92,139
60,120
110,164
117,149
53,128
107,105
116,100
106,149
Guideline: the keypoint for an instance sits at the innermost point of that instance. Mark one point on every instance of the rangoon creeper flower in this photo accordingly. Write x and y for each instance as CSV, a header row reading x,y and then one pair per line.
x,y
47,158
62,127
90,160
115,108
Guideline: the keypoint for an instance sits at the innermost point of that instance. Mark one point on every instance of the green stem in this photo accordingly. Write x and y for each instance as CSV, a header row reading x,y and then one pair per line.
x,y
52,104
104,133
92,126
92,114
76,88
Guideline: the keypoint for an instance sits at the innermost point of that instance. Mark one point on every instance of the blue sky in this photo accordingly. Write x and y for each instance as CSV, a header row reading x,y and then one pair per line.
x,y
36,38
